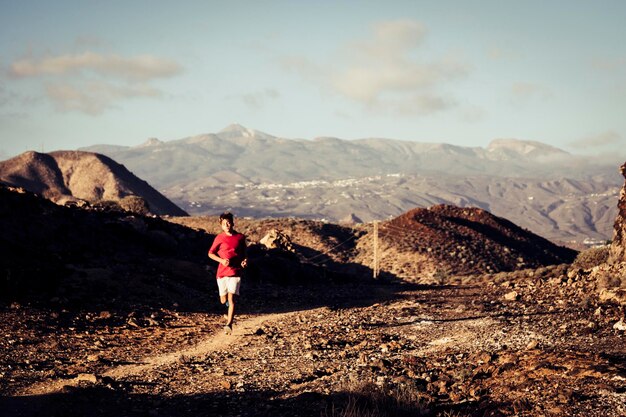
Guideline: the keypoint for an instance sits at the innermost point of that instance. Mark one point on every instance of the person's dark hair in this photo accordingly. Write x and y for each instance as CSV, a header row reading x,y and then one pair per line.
x,y
227,216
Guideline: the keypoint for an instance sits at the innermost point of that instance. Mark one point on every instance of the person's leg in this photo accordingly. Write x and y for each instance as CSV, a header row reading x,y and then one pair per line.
x,y
222,286
231,309
233,290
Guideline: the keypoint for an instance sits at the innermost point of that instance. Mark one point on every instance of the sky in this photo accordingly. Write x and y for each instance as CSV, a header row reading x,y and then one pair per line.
x,y
80,73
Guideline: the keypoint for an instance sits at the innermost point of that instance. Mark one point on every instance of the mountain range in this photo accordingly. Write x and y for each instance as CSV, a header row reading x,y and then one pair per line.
x,y
566,198
252,156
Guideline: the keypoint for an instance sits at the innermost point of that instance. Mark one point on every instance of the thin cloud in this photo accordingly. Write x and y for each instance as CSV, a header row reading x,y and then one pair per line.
x,y
502,52
524,92
9,98
609,64
94,97
497,53
390,39
259,99
473,114
304,67
138,68
92,83
598,141
6,96
382,71
417,104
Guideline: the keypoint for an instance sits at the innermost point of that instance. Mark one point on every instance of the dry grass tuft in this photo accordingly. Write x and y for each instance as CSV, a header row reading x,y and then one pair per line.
x,y
589,258
371,400
611,281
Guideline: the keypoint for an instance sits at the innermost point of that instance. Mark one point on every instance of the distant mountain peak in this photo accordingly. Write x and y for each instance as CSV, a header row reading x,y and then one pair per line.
x,y
523,147
233,127
151,142
237,130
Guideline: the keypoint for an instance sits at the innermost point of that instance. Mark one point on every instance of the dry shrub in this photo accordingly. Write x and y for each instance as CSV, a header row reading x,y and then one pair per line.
x,y
135,204
500,277
519,274
589,258
107,205
371,400
441,276
611,280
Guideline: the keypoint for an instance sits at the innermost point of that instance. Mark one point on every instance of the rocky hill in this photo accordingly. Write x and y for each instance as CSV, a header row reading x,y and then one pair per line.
x,y
70,176
104,256
563,197
95,257
423,245
447,240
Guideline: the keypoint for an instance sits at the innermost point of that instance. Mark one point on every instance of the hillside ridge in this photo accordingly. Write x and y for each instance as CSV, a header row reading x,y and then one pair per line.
x,y
66,176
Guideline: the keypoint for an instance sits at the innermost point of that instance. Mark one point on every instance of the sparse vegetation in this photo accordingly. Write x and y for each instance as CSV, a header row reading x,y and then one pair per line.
x,y
589,258
135,204
107,205
371,400
441,276
611,281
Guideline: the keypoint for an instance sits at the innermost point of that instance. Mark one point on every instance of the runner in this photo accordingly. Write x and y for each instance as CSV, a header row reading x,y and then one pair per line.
x,y
229,249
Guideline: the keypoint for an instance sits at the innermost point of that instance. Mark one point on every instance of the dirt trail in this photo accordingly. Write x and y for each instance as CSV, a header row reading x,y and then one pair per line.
x,y
216,341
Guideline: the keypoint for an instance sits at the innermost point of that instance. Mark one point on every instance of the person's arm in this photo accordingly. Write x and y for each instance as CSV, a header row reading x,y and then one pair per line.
x,y
213,253
218,259
244,261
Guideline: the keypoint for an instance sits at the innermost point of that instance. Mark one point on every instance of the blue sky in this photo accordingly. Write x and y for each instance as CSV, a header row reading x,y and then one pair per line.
x,y
78,73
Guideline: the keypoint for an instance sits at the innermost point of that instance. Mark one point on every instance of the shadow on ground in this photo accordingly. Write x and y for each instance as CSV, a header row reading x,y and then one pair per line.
x,y
100,401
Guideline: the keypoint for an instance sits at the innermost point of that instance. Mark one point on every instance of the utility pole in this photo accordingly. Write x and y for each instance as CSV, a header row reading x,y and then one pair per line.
x,y
375,269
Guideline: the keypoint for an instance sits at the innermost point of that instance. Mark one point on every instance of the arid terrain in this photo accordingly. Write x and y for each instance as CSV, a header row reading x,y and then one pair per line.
x,y
366,349
121,318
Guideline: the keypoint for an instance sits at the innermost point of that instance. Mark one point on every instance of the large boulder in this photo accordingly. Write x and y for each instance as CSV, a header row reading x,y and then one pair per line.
x,y
275,239
617,251
610,277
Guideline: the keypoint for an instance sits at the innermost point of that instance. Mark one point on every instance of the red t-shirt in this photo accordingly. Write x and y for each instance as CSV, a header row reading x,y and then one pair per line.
x,y
232,248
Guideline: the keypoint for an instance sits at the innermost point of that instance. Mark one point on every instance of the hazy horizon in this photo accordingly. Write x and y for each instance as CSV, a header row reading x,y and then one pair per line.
x,y
75,74
604,157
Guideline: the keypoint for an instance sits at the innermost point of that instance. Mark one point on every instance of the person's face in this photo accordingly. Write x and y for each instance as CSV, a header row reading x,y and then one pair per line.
x,y
227,225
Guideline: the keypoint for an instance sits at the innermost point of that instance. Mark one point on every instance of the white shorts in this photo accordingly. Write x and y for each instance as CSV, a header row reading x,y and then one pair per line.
x,y
229,285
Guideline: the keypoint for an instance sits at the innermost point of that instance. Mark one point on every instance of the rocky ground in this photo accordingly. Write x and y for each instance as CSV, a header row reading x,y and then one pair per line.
x,y
531,343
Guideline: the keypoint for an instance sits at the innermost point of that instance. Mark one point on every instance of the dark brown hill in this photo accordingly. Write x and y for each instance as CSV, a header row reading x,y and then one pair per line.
x,y
445,240
89,258
65,176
